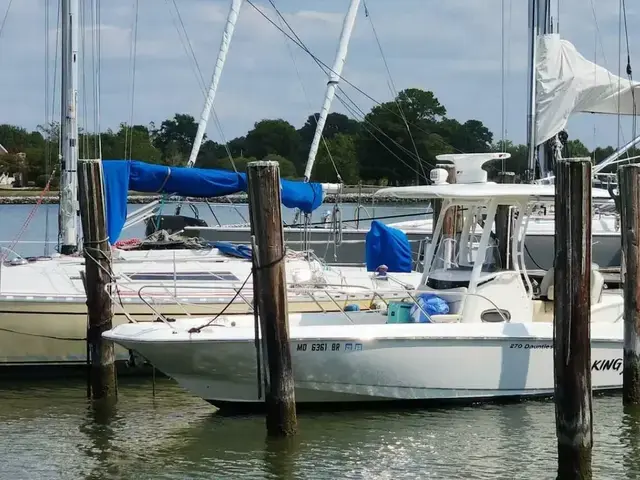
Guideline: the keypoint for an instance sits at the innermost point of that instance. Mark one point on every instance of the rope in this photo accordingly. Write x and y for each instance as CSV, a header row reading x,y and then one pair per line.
x,y
254,269
31,214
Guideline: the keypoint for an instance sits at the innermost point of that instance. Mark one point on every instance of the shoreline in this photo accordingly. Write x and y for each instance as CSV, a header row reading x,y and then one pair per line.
x,y
365,198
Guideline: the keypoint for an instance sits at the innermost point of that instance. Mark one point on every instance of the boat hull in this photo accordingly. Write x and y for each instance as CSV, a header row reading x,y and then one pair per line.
x,y
400,363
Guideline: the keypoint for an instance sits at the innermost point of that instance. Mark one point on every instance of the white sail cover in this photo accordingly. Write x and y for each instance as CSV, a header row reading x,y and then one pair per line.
x,y
568,83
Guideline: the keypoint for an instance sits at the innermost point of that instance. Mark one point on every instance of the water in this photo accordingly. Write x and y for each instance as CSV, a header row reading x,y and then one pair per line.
x,y
49,431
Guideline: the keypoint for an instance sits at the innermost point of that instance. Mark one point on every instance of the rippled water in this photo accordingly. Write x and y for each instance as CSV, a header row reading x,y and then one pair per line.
x,y
49,431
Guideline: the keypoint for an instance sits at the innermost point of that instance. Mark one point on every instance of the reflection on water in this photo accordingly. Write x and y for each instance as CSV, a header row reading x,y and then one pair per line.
x,y
49,431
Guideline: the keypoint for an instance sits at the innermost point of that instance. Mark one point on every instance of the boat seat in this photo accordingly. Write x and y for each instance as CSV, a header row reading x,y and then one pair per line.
x,y
597,284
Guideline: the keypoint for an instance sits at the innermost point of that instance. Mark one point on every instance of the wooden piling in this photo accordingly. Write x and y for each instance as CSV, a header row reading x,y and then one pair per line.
x,y
97,254
437,204
504,224
629,190
572,317
270,294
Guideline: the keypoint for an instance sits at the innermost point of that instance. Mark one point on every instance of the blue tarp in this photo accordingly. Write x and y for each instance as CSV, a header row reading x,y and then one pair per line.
x,y
428,304
387,246
120,176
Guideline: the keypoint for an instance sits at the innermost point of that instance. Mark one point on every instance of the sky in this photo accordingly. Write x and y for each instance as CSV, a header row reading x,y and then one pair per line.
x,y
453,48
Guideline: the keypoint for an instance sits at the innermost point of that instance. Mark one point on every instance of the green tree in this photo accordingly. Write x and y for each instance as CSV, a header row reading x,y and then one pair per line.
x,y
517,163
394,131
276,137
468,137
575,148
341,152
175,138
287,168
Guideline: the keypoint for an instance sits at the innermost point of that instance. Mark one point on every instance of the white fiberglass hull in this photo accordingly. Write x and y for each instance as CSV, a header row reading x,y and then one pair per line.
x,y
374,363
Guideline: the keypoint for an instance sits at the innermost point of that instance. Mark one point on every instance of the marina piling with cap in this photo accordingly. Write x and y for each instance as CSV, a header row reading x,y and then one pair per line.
x,y
629,194
270,294
97,254
572,318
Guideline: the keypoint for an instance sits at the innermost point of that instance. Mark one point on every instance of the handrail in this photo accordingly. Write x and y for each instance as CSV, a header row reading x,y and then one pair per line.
x,y
313,294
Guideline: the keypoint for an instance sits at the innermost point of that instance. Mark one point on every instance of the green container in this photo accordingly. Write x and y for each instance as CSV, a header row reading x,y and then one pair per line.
x,y
399,312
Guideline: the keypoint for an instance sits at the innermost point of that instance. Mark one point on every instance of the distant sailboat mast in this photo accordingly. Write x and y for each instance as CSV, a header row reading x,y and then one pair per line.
x,y
227,35
68,216
332,84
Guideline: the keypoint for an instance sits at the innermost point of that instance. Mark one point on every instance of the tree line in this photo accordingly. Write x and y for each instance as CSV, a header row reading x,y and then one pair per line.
x,y
395,143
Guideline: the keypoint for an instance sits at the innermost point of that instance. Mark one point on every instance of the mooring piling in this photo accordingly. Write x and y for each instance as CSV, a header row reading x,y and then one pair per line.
x,y
629,190
97,254
572,317
270,294
504,224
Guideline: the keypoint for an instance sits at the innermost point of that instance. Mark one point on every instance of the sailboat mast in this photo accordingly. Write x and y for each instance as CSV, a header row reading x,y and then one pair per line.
x,y
334,79
531,107
68,216
229,28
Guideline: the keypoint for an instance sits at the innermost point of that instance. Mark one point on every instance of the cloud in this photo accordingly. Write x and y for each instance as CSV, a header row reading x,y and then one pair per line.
x,y
453,48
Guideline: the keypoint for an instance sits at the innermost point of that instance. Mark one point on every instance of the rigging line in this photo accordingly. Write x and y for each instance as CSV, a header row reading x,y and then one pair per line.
x,y
324,66
508,69
304,90
363,115
386,147
326,69
629,70
602,52
47,80
189,47
392,86
357,113
6,15
619,105
133,53
502,77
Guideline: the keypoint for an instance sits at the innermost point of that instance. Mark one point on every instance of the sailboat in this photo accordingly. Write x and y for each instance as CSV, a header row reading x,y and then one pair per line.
x,y
42,299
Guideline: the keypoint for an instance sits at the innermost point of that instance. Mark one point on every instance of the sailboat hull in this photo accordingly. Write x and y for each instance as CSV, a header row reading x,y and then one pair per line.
x,y
538,254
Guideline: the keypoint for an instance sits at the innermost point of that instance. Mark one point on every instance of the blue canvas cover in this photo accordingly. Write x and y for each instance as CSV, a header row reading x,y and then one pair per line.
x,y
428,304
120,176
388,246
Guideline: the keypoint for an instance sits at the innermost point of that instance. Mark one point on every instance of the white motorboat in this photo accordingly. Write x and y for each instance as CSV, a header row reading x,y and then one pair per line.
x,y
470,330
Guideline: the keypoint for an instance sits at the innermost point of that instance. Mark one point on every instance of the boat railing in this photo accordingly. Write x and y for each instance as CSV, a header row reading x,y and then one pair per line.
x,y
337,294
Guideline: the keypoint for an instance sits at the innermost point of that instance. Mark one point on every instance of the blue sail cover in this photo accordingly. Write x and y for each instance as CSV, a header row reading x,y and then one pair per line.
x,y
120,176
385,245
